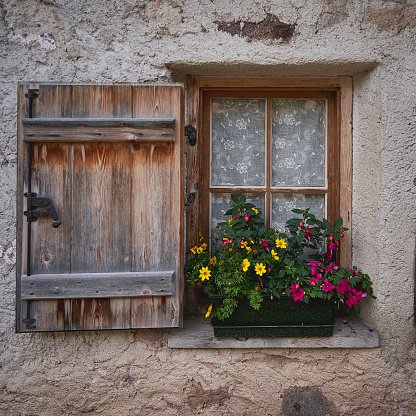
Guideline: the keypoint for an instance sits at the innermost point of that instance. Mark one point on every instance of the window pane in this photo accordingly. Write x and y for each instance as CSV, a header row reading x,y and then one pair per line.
x,y
238,142
298,143
282,205
220,204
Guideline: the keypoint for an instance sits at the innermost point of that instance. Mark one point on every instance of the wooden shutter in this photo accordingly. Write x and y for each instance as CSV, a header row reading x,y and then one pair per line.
x,y
109,158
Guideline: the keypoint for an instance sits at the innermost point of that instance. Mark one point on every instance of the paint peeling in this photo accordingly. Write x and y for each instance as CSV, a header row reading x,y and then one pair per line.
x,y
269,28
396,20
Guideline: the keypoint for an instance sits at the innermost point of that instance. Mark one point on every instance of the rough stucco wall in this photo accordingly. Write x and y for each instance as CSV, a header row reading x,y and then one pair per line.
x,y
134,372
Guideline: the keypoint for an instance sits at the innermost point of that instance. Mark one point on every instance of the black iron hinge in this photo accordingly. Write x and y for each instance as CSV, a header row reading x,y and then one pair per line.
x,y
34,202
190,133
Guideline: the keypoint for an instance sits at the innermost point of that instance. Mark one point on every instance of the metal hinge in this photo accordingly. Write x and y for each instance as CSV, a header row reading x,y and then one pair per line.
x,y
33,202
190,133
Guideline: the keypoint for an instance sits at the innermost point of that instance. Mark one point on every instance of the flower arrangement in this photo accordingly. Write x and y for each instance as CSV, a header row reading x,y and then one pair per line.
x,y
252,261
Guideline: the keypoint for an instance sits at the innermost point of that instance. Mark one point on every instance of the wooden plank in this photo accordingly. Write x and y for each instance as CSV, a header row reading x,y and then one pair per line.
x,y
193,184
154,312
96,285
345,111
198,333
92,314
270,82
21,230
98,130
101,206
51,177
157,224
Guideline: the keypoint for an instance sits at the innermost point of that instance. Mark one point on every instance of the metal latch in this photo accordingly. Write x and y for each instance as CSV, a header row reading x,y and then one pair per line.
x,y
190,133
33,202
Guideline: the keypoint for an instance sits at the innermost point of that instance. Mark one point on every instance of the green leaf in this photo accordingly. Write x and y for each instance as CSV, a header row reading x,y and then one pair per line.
x,y
297,211
327,224
338,224
242,200
229,212
234,198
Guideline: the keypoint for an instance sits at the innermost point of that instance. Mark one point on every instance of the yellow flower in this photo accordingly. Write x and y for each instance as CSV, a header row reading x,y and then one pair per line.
x,y
243,243
248,249
255,210
260,269
199,250
229,221
230,249
209,311
220,263
245,265
280,243
274,255
204,273
200,237
213,260
204,246
194,249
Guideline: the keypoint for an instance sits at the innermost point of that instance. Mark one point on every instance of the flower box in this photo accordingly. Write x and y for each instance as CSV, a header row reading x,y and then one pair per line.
x,y
280,317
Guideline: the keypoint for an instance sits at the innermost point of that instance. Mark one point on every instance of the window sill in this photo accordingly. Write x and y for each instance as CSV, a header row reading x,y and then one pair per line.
x,y
198,333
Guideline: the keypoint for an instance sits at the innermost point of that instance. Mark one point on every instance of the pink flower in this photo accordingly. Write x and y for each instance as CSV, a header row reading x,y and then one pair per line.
x,y
296,292
343,286
359,295
246,217
301,224
264,244
351,299
327,287
313,281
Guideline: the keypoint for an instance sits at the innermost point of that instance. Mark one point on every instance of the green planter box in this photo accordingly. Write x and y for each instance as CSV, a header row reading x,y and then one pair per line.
x,y
276,318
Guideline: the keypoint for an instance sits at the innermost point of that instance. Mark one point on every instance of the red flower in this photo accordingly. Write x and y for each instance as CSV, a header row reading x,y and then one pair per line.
x,y
327,287
296,292
343,286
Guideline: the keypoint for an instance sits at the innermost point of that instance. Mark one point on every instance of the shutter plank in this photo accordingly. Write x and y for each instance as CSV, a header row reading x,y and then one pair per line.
x,y
96,285
102,206
157,218
98,130
50,247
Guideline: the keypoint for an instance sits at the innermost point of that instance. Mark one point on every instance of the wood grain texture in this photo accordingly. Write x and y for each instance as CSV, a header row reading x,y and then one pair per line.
x,y
51,178
91,186
101,206
198,333
345,111
270,82
98,130
157,226
193,184
96,285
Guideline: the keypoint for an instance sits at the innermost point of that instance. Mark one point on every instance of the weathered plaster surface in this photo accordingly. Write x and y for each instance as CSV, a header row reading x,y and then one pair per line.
x,y
134,372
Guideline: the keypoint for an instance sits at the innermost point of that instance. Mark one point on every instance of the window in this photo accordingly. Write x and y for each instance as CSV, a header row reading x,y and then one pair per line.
x,y
284,142
279,148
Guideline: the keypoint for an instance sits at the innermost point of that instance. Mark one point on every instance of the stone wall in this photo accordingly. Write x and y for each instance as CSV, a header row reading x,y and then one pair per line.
x,y
134,372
